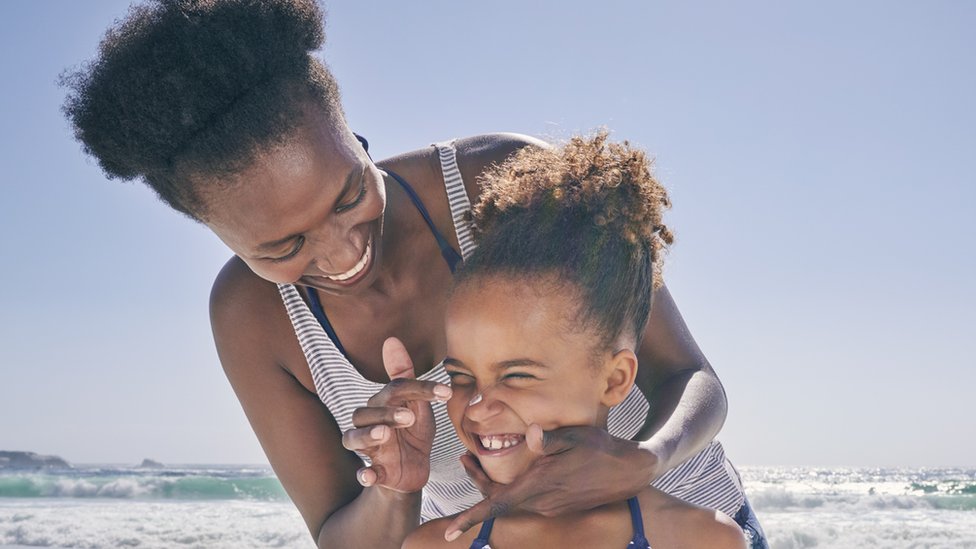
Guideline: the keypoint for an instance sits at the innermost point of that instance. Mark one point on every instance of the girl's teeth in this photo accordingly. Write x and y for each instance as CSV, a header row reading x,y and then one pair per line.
x,y
499,442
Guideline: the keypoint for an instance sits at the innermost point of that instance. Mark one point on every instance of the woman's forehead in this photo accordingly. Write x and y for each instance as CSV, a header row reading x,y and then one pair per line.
x,y
285,189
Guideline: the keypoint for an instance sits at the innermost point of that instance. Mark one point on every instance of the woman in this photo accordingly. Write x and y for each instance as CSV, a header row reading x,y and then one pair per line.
x,y
542,337
220,108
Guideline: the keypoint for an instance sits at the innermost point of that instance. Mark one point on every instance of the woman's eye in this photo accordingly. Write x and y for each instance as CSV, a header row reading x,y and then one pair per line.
x,y
356,200
294,251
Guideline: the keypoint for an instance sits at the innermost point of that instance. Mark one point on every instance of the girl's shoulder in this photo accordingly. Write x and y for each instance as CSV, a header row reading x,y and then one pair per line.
x,y
430,535
673,523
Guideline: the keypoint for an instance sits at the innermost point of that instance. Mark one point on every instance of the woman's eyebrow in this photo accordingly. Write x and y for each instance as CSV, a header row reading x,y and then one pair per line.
x,y
350,179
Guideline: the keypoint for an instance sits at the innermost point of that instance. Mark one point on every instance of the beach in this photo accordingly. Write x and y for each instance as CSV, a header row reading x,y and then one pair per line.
x,y
225,506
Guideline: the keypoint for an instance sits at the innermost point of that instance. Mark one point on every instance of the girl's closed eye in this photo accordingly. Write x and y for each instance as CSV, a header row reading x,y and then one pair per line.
x,y
460,378
519,376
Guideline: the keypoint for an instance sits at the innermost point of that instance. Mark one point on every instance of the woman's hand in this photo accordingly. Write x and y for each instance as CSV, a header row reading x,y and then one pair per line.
x,y
578,468
396,427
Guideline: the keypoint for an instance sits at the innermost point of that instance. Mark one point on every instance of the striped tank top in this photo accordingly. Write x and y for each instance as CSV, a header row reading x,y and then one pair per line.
x,y
706,479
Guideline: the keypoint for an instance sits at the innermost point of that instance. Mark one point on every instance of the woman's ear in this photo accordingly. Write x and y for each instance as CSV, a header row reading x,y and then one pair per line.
x,y
621,371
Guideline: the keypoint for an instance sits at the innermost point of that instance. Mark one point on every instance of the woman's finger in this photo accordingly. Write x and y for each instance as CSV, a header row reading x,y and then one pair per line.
x,y
478,476
485,509
401,390
382,415
553,442
366,437
396,360
366,476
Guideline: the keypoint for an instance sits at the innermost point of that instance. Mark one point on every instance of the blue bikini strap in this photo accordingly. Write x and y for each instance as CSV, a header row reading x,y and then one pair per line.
x,y
319,312
447,252
637,520
481,541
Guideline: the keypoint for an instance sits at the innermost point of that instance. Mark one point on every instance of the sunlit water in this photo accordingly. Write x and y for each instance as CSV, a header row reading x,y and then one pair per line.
x,y
240,507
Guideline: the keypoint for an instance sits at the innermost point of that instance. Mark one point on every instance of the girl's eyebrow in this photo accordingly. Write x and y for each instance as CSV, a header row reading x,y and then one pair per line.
x,y
505,364
520,362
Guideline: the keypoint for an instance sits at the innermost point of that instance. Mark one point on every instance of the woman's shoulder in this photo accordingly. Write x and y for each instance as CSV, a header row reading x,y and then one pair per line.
x,y
474,155
236,288
673,523
248,316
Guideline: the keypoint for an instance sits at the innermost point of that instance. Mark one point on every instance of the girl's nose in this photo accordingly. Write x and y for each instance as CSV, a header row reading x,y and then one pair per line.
x,y
482,406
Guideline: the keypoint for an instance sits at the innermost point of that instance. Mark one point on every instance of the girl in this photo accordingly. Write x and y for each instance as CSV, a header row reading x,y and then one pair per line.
x,y
542,331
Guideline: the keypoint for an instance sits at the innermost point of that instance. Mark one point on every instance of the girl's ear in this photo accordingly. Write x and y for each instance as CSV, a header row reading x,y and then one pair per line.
x,y
620,372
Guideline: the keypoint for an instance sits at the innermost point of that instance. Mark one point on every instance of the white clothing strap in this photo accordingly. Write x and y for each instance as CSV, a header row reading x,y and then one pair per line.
x,y
457,197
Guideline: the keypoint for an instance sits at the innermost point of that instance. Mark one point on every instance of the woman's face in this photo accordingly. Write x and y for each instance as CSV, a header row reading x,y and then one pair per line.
x,y
308,211
515,358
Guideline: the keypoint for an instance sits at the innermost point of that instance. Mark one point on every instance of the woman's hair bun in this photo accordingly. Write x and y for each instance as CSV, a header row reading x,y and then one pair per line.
x,y
171,70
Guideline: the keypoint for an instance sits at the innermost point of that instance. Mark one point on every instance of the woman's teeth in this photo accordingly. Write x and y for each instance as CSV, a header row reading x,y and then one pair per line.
x,y
500,442
358,267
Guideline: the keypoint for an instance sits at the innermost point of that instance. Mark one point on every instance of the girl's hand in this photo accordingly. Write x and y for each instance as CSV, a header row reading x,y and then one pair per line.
x,y
396,427
579,468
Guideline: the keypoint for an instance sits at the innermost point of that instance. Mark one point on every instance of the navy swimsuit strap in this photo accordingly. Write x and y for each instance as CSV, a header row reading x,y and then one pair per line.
x,y
449,254
636,520
481,541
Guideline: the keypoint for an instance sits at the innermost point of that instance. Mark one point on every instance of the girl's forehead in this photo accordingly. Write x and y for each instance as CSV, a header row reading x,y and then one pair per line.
x,y
506,318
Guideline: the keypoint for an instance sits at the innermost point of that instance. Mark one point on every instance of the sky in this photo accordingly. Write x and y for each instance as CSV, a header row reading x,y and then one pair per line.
x,y
818,157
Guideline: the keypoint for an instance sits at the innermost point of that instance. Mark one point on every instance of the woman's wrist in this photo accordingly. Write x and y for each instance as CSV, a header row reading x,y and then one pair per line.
x,y
647,459
395,497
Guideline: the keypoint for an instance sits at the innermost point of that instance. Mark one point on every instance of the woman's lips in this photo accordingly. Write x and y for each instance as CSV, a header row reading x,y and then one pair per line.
x,y
359,271
358,267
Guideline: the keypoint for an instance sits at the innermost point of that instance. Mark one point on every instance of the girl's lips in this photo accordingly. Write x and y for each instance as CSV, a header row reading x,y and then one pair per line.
x,y
496,445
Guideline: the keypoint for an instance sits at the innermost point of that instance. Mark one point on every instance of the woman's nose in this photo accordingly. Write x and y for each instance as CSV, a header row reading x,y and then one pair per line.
x,y
337,255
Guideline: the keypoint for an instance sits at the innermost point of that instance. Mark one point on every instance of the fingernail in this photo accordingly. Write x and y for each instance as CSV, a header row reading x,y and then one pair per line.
x,y
361,477
377,432
443,391
477,398
403,416
452,535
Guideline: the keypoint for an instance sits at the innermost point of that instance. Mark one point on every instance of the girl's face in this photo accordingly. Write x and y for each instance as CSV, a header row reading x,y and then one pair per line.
x,y
515,358
308,211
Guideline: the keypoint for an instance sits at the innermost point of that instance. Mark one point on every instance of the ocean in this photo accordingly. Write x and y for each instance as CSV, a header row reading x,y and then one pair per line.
x,y
222,506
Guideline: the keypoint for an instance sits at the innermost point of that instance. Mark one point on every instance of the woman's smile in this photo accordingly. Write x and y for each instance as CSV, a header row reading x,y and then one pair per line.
x,y
357,273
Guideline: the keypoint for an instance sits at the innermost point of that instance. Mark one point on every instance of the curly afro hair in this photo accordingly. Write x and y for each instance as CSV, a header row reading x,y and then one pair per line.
x,y
589,212
184,90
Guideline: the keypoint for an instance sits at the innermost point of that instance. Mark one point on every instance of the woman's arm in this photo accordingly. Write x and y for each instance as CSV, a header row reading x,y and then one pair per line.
x,y
687,401
256,346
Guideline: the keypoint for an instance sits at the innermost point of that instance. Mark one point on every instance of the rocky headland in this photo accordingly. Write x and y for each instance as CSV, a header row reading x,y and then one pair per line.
x,y
29,461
